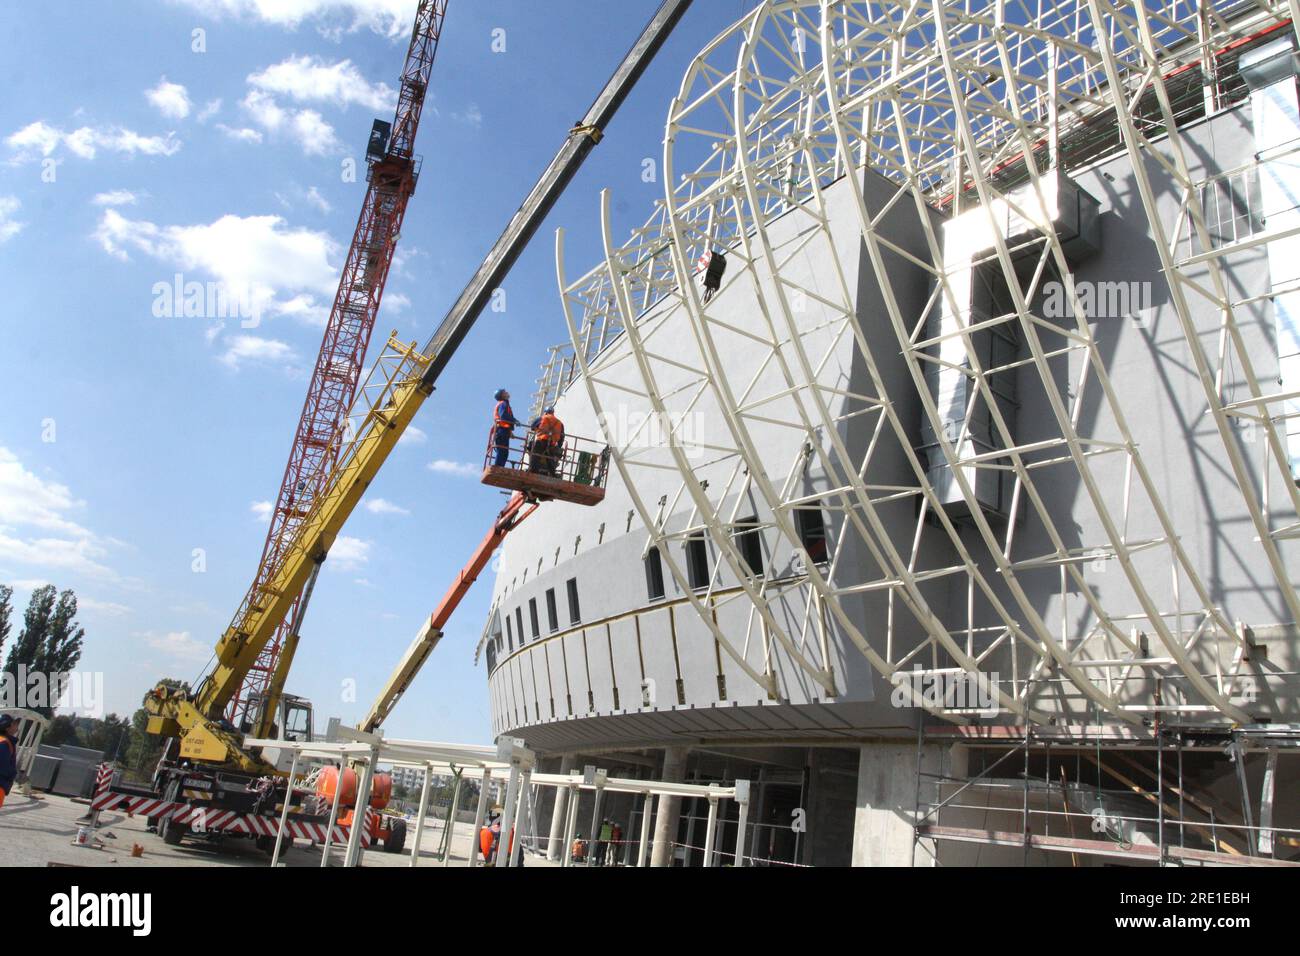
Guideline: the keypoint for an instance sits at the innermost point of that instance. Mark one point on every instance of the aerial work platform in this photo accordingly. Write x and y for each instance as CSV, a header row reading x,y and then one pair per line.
x,y
575,472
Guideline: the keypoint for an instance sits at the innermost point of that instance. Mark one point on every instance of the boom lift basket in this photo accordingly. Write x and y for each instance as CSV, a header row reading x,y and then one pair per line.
x,y
576,472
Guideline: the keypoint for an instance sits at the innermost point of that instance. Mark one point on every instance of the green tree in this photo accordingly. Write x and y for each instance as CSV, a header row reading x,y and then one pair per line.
x,y
51,639
6,612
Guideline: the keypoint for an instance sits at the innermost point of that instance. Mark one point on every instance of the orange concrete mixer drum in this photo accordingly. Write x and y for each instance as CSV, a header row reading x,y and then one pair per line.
x,y
381,790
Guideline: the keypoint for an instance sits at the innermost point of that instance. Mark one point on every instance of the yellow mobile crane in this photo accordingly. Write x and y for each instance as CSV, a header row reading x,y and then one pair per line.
x,y
212,766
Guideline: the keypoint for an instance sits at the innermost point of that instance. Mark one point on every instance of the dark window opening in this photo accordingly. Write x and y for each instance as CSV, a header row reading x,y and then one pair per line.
x,y
552,616
812,533
532,617
697,562
749,542
575,613
654,575
510,635
519,623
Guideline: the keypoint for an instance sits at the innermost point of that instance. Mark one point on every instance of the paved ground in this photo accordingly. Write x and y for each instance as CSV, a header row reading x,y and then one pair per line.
x,y
38,832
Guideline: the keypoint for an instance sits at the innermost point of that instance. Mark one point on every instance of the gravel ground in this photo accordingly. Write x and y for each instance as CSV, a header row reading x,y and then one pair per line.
x,y
39,831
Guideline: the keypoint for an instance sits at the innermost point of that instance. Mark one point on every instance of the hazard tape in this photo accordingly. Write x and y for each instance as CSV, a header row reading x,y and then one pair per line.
x,y
207,820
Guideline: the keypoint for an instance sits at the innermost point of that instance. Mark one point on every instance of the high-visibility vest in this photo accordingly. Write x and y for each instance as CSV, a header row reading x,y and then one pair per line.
x,y
503,415
550,429
485,842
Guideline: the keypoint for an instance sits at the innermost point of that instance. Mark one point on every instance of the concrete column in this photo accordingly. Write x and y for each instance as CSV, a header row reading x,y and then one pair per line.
x,y
670,808
886,803
555,846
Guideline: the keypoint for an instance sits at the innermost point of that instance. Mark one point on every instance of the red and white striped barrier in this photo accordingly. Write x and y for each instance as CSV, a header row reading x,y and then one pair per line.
x,y
208,820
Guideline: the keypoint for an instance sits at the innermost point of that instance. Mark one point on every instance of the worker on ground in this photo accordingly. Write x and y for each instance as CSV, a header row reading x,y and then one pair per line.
x,y
548,444
503,427
8,755
616,844
578,852
602,845
490,836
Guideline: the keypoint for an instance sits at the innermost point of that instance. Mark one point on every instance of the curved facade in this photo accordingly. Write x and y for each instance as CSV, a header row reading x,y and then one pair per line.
x,y
985,441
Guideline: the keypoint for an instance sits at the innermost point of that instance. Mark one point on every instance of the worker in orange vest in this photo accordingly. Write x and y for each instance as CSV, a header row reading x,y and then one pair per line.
x,y
8,755
503,427
548,444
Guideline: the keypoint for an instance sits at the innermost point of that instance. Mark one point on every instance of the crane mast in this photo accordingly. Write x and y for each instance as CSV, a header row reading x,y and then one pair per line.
x,y
392,173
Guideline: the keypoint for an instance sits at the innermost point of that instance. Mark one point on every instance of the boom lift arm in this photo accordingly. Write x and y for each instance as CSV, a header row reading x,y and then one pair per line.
x,y
513,515
197,719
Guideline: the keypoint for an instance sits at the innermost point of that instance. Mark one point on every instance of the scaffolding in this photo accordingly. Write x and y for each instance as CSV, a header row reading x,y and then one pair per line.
x,y
1102,793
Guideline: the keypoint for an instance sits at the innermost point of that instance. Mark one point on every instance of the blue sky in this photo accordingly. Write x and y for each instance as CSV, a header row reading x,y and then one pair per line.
x,y
129,439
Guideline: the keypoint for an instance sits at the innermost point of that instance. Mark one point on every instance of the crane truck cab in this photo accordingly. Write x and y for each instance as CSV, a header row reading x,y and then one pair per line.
x,y
293,723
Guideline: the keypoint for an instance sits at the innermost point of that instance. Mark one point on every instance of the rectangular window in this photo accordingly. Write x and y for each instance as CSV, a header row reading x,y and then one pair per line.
x,y
575,613
552,616
519,623
654,575
532,617
697,562
749,542
510,634
812,533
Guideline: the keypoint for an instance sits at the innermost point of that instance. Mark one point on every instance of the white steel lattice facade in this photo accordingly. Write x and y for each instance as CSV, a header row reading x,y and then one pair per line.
x,y
1006,317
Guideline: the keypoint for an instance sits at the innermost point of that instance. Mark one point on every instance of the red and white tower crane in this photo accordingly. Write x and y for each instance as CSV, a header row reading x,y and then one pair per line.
x,y
392,172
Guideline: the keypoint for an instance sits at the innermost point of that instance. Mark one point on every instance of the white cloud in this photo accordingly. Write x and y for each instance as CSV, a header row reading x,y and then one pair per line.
x,y
396,302
262,511
260,260
78,556
32,504
176,644
39,139
9,227
252,349
116,197
380,506
243,134
390,18
314,135
27,500
307,127
456,468
316,199
348,554
35,137
170,99
472,116
107,608
210,109
413,436
310,79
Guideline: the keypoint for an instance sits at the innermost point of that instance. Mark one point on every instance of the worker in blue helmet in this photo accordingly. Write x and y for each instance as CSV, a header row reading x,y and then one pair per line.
x,y
503,427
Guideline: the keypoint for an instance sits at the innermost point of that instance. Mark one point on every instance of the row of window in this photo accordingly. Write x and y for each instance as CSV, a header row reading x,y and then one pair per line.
x,y
515,623
809,524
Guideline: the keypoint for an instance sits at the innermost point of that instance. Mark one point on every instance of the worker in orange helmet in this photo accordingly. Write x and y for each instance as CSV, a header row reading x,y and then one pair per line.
x,y
548,443
503,427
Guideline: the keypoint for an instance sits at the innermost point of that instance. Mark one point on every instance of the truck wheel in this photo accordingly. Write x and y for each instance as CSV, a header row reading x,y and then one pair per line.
x,y
266,844
172,833
396,839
